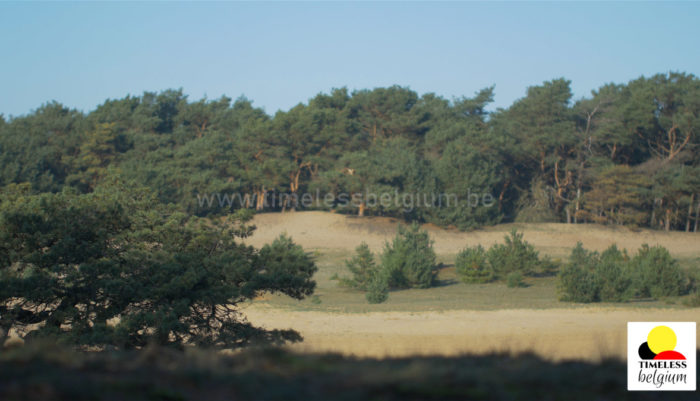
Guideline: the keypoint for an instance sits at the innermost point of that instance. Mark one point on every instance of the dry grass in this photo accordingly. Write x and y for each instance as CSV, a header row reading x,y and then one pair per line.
x,y
456,318
331,231
590,333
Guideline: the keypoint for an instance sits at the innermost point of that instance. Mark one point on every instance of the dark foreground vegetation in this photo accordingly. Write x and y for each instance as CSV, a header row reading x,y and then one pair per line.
x,y
50,373
627,154
115,269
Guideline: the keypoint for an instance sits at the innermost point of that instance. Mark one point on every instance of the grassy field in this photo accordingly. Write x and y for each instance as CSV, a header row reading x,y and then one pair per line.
x,y
453,317
449,293
333,237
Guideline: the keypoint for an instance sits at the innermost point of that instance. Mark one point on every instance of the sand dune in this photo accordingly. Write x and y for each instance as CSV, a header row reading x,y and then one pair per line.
x,y
323,230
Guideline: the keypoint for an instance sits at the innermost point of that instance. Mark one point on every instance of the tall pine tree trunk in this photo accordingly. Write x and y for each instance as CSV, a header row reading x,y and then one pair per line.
x,y
260,200
697,217
652,222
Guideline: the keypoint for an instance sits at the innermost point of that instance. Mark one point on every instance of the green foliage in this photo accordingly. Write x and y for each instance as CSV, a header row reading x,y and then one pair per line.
x,y
626,155
577,279
694,300
366,275
472,266
618,196
377,289
515,280
536,205
515,255
512,260
409,261
658,273
77,262
613,277
362,267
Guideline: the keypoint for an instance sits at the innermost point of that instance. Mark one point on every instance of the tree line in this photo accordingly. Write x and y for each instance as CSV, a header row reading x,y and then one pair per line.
x,y
625,155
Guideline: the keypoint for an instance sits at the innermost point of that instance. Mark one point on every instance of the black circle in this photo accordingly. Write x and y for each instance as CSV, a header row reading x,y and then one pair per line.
x,y
645,352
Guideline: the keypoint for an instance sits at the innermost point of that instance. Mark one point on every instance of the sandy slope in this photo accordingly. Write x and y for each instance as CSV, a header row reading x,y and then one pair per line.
x,y
556,334
322,230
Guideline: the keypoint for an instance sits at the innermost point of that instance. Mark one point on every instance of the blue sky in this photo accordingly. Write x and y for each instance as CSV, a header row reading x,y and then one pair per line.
x,y
280,54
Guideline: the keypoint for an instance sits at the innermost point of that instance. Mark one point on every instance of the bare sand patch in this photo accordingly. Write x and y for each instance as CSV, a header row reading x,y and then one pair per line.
x,y
324,230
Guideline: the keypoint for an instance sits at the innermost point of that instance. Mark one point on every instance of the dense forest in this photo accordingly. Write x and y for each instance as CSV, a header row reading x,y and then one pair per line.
x,y
626,155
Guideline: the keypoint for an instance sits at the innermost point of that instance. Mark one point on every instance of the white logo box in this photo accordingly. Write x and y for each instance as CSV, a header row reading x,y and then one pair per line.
x,y
655,375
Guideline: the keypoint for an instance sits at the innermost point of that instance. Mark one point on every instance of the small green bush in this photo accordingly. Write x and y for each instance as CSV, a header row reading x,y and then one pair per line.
x,y
377,290
362,267
515,255
613,275
577,279
658,273
409,261
475,265
472,265
694,300
514,280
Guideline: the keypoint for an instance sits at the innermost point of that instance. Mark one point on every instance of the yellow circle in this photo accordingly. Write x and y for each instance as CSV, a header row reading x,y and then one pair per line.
x,y
660,339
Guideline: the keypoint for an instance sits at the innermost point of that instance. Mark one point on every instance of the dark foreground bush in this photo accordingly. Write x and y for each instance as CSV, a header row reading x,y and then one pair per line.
x,y
270,374
115,268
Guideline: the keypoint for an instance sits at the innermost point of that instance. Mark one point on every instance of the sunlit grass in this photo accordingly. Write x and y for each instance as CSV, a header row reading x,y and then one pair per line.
x,y
449,293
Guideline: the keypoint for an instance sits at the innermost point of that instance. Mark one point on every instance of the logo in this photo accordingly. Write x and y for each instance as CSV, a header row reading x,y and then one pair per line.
x,y
661,356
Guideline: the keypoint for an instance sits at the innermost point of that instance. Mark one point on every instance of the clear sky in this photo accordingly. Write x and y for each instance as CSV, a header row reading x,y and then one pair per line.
x,y
280,54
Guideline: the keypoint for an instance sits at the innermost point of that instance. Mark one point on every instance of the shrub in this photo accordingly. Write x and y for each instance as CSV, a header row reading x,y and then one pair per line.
x,y
472,265
409,261
377,289
515,255
577,279
362,267
694,300
613,275
515,279
658,273
475,265
78,262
